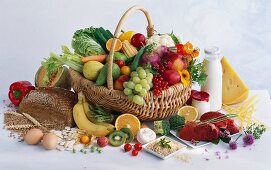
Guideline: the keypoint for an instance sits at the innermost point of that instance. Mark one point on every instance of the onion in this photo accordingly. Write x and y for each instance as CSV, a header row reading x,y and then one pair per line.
x,y
162,50
152,58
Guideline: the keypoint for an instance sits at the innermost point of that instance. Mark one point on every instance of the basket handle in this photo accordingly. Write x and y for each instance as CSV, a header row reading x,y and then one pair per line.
x,y
150,32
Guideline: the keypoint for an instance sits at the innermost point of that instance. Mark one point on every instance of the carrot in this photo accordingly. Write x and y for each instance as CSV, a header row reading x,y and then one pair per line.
x,y
100,58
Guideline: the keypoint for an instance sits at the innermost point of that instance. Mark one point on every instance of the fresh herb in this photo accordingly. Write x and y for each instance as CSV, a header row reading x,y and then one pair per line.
x,y
98,114
174,38
55,62
256,130
176,122
164,144
197,72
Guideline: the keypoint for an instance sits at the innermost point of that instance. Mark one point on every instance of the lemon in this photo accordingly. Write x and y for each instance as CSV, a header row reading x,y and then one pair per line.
x,y
92,69
190,113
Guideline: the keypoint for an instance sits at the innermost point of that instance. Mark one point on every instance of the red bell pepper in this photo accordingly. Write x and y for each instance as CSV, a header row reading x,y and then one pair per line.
x,y
18,90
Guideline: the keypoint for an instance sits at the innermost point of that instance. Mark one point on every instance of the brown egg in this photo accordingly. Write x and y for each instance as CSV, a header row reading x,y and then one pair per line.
x,y
50,141
33,136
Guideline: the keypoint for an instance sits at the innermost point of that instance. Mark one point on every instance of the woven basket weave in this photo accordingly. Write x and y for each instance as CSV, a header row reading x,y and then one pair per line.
x,y
155,108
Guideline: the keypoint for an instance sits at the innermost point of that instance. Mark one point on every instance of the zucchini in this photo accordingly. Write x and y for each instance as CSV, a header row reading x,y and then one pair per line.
x,y
101,40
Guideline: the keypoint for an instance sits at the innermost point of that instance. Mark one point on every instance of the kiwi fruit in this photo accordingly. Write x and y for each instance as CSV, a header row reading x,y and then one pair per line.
x,y
129,134
117,138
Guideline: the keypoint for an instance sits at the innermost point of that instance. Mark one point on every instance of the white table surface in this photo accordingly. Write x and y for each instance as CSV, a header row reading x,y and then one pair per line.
x,y
16,155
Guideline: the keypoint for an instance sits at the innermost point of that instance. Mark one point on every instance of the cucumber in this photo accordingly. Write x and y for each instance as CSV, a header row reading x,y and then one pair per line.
x,y
104,33
101,40
129,60
110,34
137,58
101,80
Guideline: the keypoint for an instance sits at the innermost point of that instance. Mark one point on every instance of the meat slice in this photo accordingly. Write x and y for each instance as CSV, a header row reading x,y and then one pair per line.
x,y
193,131
228,123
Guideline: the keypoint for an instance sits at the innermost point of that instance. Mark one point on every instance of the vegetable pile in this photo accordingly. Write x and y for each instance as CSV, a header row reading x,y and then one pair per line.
x,y
141,64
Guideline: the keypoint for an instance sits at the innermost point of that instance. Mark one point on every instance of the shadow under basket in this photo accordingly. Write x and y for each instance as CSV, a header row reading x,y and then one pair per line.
x,y
155,108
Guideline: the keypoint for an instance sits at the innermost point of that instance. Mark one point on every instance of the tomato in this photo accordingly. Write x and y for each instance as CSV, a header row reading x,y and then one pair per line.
x,y
120,63
85,139
127,147
134,152
125,70
138,146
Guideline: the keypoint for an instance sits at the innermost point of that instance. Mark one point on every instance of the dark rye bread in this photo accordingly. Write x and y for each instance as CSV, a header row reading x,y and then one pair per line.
x,y
50,106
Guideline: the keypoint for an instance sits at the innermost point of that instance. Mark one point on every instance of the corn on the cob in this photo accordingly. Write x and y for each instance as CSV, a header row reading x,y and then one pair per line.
x,y
128,49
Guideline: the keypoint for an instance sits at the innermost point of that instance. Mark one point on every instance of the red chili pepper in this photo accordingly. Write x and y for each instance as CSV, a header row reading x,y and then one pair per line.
x,y
18,90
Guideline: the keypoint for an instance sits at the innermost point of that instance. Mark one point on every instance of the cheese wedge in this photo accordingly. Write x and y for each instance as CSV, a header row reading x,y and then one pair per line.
x,y
234,90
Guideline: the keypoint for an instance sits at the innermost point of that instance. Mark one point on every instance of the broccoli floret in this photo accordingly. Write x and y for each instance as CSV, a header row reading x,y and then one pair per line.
x,y
176,122
161,127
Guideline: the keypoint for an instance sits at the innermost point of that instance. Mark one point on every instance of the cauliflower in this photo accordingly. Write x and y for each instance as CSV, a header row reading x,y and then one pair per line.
x,y
159,40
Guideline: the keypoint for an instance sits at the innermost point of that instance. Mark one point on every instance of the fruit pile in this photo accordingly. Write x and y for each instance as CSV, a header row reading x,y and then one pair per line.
x,y
141,64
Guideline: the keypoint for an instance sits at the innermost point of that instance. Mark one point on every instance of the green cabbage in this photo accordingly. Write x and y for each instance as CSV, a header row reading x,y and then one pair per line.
x,y
85,44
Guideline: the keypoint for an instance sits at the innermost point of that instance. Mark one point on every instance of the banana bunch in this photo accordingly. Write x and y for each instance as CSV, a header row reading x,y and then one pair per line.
x,y
80,117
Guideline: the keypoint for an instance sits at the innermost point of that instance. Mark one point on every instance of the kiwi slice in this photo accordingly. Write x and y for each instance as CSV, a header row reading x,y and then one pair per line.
x,y
129,134
117,138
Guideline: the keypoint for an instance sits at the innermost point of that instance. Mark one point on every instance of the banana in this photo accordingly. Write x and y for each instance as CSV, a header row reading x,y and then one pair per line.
x,y
83,123
87,111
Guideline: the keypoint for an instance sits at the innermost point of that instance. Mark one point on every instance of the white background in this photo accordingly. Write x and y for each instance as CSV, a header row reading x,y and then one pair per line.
x,y
31,29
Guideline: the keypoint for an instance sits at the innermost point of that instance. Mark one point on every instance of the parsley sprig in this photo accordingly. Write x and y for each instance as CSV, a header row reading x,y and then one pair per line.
x,y
164,143
197,72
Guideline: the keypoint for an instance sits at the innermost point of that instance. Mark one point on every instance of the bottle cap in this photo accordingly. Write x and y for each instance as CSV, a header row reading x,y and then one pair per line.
x,y
212,52
201,96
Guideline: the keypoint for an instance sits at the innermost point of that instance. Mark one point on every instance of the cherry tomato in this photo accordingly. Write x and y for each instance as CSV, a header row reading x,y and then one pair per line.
x,y
127,147
134,152
120,63
85,139
125,70
138,146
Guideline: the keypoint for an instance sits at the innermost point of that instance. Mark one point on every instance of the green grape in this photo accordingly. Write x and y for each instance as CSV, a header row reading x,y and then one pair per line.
x,y
147,87
139,68
127,91
143,92
130,97
147,71
125,84
142,74
136,80
151,85
138,87
131,85
150,75
134,74
143,82
138,100
149,79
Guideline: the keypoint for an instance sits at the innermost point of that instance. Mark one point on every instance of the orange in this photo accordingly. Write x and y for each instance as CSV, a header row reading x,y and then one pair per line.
x,y
117,47
128,121
125,70
190,113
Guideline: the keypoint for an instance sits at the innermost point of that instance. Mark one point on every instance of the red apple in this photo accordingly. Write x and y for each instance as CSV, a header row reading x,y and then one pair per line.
x,y
118,83
138,40
172,77
175,61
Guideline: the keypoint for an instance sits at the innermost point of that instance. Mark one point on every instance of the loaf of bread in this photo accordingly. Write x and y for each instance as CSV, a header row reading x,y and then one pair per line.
x,y
52,107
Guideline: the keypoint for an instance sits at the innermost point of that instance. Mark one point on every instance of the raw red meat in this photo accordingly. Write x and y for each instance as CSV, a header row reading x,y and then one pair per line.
x,y
192,131
228,123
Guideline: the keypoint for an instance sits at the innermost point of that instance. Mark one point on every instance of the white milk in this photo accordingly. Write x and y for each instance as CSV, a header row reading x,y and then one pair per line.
x,y
213,84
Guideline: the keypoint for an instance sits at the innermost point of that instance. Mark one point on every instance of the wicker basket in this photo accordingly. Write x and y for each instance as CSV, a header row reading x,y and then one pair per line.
x,y
155,108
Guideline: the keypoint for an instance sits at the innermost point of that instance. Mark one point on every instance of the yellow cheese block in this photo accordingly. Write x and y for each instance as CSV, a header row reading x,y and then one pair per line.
x,y
234,90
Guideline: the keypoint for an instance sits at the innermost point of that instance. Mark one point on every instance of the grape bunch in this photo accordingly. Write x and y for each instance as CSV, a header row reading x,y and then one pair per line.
x,y
159,84
138,86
